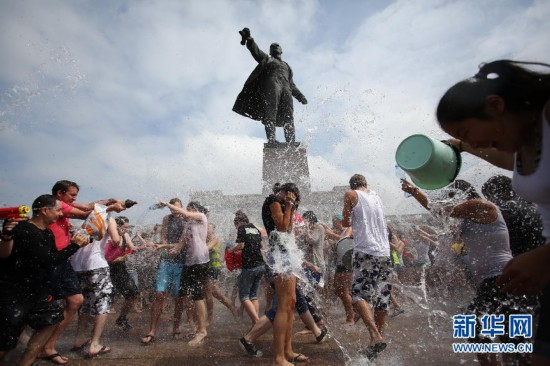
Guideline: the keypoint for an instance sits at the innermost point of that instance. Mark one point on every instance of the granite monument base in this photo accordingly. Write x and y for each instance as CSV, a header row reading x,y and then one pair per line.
x,y
285,162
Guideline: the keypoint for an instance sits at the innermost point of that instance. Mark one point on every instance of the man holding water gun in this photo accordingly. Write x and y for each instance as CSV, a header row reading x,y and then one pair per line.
x,y
63,282
23,270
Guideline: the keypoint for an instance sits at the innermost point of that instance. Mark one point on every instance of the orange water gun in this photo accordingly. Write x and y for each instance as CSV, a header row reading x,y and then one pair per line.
x,y
15,212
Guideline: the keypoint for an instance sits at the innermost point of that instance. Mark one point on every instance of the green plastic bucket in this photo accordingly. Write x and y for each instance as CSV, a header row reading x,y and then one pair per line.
x,y
430,163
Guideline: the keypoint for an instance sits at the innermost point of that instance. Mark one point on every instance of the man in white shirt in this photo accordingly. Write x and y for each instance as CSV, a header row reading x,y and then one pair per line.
x,y
371,259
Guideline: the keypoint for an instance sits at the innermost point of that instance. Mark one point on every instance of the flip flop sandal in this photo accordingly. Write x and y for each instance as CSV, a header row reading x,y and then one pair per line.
x,y
373,350
297,359
396,313
81,347
50,358
190,335
323,336
102,351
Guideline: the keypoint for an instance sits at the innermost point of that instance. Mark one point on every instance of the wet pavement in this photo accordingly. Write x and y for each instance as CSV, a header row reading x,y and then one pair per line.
x,y
220,348
420,336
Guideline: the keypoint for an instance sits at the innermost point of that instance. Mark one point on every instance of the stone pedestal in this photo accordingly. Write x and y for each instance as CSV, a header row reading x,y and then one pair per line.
x,y
285,162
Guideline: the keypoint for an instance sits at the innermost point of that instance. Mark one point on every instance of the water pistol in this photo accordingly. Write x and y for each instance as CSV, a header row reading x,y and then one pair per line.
x,y
15,212
129,203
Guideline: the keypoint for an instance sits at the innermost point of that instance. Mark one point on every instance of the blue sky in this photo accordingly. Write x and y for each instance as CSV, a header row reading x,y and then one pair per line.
x,y
133,99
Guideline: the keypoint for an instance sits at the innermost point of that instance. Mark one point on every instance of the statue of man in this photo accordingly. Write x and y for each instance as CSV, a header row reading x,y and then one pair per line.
x,y
268,91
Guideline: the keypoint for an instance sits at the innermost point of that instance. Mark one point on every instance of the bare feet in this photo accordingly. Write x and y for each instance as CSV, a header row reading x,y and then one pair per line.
x,y
198,340
148,339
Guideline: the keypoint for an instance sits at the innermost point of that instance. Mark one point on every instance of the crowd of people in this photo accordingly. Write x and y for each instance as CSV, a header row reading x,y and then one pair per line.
x,y
50,271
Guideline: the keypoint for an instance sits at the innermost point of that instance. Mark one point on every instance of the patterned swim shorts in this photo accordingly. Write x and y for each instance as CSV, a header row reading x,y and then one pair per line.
x,y
97,290
371,280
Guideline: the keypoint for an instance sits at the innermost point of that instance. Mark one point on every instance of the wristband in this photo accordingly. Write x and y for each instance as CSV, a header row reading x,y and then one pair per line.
x,y
6,236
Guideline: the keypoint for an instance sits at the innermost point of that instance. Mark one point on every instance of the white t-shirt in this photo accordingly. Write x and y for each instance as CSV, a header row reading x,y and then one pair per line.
x,y
91,257
197,250
370,233
316,247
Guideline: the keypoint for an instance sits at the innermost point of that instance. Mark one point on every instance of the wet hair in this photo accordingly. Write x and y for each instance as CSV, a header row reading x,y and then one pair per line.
x,y
241,218
498,187
521,89
276,187
310,216
291,187
197,206
121,220
45,200
357,180
174,200
465,187
63,186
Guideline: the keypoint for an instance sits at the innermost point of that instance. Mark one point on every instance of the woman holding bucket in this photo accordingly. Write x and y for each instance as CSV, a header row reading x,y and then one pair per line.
x,y
502,114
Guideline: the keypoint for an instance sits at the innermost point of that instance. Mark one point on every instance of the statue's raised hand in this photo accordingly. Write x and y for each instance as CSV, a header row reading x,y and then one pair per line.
x,y
245,34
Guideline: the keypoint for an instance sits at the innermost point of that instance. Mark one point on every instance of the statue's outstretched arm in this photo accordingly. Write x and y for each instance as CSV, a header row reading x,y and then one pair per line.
x,y
246,38
255,51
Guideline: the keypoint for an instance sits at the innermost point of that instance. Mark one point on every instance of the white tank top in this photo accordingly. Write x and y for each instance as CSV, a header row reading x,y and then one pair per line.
x,y
370,233
536,186
488,247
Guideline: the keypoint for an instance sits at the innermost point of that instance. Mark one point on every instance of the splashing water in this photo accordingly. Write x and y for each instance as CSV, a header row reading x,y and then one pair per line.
x,y
57,77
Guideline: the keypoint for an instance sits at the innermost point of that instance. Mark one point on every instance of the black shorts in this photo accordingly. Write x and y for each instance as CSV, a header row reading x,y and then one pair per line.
x,y
344,269
63,281
346,265
193,280
489,299
542,336
122,281
37,314
214,273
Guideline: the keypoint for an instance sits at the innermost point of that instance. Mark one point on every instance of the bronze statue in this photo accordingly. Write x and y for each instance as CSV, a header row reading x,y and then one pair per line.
x,y
268,91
